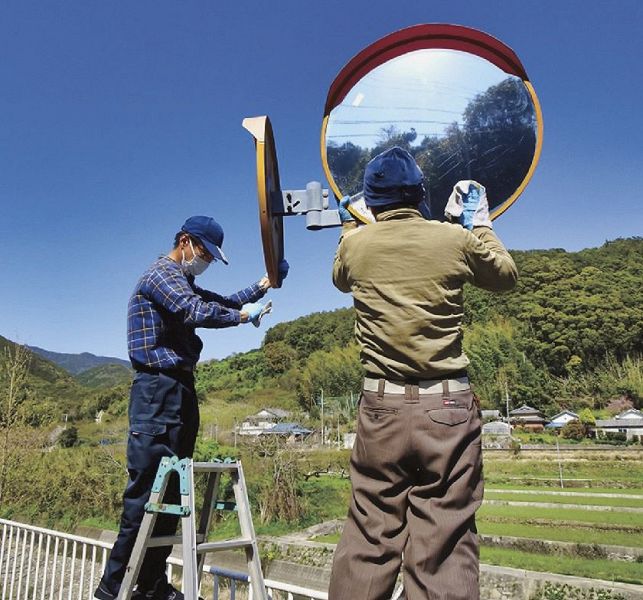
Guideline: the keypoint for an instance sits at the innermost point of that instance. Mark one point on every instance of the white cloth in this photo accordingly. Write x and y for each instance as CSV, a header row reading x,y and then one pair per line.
x,y
454,207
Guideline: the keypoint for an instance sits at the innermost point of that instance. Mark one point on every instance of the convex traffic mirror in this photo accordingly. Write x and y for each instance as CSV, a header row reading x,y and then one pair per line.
x,y
456,98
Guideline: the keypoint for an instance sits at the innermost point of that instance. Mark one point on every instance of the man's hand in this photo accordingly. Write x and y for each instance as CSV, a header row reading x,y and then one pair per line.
x,y
345,215
468,205
284,267
254,312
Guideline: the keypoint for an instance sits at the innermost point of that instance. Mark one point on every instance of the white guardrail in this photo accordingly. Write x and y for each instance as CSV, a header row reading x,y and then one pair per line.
x,y
43,564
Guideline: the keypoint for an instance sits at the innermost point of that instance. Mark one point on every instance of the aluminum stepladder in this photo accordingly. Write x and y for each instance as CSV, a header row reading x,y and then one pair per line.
x,y
194,541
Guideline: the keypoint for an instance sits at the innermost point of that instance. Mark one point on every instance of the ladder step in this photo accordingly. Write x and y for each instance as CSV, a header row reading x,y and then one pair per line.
x,y
204,467
170,540
224,545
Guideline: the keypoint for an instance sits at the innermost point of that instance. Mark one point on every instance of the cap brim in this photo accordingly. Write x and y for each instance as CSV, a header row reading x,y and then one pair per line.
x,y
215,251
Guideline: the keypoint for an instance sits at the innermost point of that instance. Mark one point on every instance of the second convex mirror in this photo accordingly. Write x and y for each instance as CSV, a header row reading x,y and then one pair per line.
x,y
457,99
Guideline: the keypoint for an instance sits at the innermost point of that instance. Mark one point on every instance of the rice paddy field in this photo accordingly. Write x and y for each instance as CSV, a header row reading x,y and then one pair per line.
x,y
598,507
600,504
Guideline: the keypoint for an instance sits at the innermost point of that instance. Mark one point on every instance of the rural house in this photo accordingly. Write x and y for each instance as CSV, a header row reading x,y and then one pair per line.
x,y
527,417
629,422
561,419
263,421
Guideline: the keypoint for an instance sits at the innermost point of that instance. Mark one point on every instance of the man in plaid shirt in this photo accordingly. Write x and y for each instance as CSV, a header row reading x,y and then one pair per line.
x,y
163,312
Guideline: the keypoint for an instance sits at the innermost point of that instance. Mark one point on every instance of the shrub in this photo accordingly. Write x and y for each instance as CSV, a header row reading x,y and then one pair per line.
x,y
68,437
574,430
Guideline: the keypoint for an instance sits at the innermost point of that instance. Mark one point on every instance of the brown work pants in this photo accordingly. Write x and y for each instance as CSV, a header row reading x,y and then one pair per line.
x,y
416,473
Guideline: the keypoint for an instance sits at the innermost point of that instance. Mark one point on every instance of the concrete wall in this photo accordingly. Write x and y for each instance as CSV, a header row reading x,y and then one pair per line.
x,y
309,564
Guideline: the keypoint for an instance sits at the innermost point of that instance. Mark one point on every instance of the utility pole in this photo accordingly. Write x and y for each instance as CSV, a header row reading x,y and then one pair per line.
x,y
560,464
235,433
507,400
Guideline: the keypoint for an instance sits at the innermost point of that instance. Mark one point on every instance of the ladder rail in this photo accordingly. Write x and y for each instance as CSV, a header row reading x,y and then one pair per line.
x,y
209,500
248,531
194,541
141,544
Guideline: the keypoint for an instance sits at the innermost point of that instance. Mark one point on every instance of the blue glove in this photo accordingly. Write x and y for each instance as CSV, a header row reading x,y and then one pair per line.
x,y
344,214
256,310
283,269
469,206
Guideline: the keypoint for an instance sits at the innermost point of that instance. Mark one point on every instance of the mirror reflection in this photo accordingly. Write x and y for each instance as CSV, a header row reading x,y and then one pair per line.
x,y
458,114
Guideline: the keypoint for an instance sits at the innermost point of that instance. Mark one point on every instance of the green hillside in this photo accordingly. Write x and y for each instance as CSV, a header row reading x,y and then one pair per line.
x,y
570,335
105,376
52,392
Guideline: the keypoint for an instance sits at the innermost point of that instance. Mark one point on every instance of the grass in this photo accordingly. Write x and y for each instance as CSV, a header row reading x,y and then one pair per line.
x,y
557,533
628,468
540,488
595,569
554,499
609,469
560,516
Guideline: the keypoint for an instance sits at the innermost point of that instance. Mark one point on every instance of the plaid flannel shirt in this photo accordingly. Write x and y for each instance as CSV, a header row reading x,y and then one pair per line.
x,y
165,308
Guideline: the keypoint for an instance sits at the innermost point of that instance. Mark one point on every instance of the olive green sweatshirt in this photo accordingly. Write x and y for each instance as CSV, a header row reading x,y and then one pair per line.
x,y
406,275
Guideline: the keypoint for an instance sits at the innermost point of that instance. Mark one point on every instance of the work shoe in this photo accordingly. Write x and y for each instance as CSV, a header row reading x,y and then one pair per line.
x,y
164,591
171,593
102,593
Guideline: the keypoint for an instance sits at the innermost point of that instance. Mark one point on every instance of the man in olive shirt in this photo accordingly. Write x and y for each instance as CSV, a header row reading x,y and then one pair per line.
x,y
416,466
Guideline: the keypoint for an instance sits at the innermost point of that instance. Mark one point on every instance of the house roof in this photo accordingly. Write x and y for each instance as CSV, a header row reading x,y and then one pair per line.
x,y
267,413
524,410
630,413
490,413
289,428
620,423
563,413
531,420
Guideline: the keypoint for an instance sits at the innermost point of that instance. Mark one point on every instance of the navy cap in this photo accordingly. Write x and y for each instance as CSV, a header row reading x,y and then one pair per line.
x,y
393,177
209,233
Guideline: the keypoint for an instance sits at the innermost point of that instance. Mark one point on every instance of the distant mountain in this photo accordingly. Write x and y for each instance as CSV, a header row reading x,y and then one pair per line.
x,y
53,392
78,363
105,376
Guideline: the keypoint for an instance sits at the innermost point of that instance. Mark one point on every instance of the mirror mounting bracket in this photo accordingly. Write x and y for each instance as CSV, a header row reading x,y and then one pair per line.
x,y
313,202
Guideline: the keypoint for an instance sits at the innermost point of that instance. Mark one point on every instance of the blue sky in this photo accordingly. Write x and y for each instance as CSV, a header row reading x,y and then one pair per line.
x,y
120,119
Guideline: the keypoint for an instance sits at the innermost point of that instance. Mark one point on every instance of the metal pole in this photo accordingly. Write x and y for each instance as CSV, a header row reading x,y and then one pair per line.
x,y
507,399
323,436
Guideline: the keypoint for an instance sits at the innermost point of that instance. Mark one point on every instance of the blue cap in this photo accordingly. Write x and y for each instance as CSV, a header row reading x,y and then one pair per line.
x,y
209,233
393,177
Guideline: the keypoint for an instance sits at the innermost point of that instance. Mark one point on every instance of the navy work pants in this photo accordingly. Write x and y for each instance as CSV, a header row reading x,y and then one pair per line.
x,y
163,421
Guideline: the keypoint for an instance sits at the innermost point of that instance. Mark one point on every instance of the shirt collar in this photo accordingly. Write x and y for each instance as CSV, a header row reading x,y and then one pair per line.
x,y
400,213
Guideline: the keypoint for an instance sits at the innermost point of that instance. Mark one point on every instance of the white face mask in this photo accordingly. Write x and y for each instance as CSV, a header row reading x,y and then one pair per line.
x,y
196,266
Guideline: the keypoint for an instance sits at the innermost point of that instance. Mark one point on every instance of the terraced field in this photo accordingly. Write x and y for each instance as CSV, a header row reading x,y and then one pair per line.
x,y
524,500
